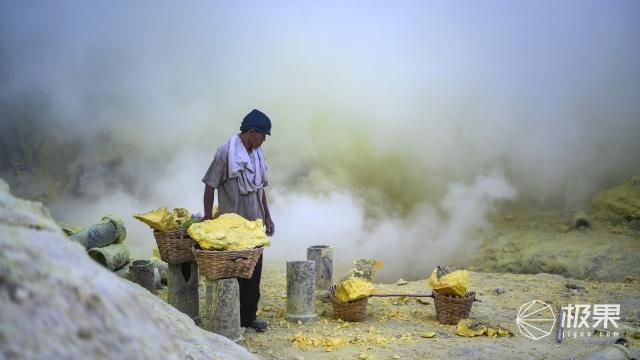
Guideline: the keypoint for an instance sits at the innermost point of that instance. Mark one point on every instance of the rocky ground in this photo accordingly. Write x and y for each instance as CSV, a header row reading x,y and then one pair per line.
x,y
544,241
57,303
398,328
525,256
591,266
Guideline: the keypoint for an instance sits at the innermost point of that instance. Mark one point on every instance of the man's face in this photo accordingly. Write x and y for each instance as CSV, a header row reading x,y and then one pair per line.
x,y
256,138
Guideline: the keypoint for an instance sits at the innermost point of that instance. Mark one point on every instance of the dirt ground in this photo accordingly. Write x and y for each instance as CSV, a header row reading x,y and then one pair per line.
x,y
532,242
394,327
398,328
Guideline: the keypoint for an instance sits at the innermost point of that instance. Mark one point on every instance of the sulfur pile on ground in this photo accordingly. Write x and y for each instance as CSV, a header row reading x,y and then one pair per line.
x,y
478,329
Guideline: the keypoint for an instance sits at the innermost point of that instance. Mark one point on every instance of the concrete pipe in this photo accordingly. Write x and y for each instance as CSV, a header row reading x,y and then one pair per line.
x,y
607,340
581,220
301,284
142,272
123,272
162,267
612,352
157,280
322,255
182,289
222,310
110,230
113,256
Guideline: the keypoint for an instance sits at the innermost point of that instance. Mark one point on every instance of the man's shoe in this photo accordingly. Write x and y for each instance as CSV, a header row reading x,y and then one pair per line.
x,y
258,325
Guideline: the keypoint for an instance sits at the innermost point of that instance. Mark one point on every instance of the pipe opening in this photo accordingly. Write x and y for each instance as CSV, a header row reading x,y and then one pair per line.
x,y
140,263
186,271
98,257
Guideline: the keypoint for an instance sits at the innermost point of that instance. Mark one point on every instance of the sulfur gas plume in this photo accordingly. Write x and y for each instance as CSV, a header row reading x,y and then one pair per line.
x,y
409,245
397,127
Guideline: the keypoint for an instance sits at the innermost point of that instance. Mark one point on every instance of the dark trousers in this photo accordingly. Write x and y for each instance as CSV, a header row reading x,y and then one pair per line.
x,y
250,295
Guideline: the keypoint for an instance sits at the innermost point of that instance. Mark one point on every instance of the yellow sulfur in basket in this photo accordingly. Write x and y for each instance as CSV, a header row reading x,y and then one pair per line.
x,y
229,232
353,289
160,219
181,215
455,283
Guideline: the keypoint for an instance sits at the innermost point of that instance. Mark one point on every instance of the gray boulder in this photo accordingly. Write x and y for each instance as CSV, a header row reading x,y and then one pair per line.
x,y
57,303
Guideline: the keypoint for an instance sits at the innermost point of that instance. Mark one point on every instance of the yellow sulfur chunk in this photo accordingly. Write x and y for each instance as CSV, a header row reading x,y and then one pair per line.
x,y
160,219
353,289
455,283
229,232
479,329
304,342
181,215
466,331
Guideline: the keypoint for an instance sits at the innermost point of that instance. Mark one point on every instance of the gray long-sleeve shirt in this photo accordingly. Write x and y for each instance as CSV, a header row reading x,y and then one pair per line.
x,y
230,200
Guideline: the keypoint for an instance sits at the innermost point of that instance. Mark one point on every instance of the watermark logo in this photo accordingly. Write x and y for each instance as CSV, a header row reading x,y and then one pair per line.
x,y
535,320
576,320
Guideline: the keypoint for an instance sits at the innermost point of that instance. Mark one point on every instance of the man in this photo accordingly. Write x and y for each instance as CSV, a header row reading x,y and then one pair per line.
x,y
239,172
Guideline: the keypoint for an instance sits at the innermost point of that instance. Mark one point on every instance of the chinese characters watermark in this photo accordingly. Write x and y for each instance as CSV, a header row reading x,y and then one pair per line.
x,y
536,320
581,320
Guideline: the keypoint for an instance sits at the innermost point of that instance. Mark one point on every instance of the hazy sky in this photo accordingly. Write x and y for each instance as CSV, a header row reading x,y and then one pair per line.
x,y
387,104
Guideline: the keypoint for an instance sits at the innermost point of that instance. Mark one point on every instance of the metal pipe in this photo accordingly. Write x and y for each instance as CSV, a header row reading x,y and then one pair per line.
x,y
560,330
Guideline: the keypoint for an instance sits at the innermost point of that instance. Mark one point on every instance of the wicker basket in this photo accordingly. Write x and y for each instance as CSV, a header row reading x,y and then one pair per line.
x,y
224,264
348,311
451,309
174,246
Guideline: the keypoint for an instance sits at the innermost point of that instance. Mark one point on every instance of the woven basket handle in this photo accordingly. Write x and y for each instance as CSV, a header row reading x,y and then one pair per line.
x,y
240,258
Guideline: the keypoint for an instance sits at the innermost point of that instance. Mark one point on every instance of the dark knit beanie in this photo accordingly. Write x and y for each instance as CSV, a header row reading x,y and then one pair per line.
x,y
256,120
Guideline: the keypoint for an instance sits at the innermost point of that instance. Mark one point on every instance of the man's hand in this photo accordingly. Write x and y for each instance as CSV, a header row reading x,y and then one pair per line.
x,y
267,216
270,227
208,198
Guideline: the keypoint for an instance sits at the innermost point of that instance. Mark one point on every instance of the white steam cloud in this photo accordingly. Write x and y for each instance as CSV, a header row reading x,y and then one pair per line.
x,y
408,246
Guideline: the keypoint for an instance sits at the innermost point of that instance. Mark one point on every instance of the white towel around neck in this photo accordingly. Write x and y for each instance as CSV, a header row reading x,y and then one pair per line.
x,y
250,169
